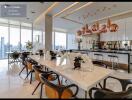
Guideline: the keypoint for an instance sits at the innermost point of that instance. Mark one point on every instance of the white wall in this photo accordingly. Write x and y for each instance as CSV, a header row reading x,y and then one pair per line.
x,y
86,40
124,32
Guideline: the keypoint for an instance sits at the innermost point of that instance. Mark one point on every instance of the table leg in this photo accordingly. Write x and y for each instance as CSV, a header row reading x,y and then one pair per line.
x,y
104,85
86,94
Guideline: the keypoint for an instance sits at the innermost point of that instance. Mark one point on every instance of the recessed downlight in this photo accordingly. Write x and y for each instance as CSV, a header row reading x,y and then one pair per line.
x,y
33,12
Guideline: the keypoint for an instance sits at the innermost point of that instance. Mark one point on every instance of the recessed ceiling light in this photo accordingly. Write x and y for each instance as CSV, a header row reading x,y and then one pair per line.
x,y
33,12
6,5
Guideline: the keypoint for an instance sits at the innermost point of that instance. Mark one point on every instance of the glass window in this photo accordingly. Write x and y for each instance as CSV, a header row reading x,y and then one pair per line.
x,y
26,24
60,40
37,36
14,38
2,20
26,35
4,42
12,22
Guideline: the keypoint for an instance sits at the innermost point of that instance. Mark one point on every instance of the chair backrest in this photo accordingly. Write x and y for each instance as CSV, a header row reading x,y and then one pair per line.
x,y
24,56
38,70
15,55
108,94
53,90
30,63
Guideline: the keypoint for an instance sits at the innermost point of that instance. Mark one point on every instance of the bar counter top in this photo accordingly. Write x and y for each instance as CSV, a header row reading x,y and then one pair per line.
x,y
107,51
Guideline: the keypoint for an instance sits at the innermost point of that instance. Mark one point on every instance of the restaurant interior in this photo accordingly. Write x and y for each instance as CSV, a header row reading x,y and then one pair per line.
x,y
66,50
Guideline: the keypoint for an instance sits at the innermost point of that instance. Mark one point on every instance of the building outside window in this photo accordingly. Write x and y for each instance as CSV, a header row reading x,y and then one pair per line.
x,y
26,35
14,38
60,41
4,41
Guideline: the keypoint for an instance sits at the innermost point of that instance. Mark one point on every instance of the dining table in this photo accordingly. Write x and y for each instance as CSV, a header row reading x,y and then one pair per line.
x,y
84,79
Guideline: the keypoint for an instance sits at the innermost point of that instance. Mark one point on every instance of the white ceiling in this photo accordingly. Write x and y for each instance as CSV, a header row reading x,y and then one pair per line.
x,y
92,12
100,10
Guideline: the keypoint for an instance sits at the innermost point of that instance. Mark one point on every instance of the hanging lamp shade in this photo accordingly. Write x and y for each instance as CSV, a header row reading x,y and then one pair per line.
x,y
114,27
87,29
83,30
103,29
108,23
97,25
94,27
79,33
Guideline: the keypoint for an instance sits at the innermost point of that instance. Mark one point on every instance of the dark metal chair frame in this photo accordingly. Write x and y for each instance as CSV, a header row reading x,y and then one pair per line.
x,y
109,94
60,89
31,71
23,58
39,69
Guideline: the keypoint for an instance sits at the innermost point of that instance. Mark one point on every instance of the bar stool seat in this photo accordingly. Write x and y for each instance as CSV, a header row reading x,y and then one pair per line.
x,y
114,61
99,61
98,56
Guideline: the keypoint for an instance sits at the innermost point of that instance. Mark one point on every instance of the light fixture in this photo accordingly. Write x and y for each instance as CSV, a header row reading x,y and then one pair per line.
x,y
33,12
6,5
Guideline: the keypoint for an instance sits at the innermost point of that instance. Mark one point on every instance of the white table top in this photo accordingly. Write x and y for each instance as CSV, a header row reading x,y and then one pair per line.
x,y
84,79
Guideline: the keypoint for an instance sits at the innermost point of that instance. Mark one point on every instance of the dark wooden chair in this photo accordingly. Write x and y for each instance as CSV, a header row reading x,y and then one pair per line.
x,y
29,67
124,82
100,93
54,90
23,57
107,93
14,57
38,70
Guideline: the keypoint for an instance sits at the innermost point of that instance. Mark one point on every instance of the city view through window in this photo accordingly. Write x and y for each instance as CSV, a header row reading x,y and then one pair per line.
x,y
14,38
60,41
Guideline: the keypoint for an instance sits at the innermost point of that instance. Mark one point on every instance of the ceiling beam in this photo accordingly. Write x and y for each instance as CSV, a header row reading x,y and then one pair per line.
x,y
85,5
65,9
45,12
72,20
114,16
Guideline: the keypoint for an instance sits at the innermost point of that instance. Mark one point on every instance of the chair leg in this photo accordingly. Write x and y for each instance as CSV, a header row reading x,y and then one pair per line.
x,y
31,77
41,90
36,88
28,74
22,70
104,83
100,85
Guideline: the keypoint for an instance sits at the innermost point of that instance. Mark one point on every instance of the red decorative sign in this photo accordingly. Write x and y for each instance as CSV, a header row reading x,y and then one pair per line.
x,y
96,29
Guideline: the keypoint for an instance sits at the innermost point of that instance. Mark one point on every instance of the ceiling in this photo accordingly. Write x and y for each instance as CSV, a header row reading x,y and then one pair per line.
x,y
75,16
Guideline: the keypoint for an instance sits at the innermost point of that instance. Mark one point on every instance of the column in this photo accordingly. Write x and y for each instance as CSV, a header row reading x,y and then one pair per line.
x,y
48,32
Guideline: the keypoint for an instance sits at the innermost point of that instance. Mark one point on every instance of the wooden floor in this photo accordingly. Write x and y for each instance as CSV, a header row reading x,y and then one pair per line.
x,y
14,86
